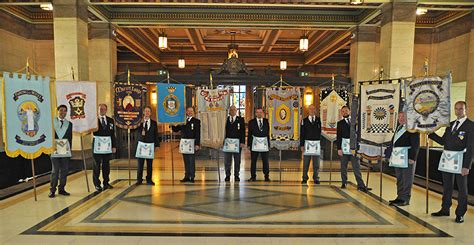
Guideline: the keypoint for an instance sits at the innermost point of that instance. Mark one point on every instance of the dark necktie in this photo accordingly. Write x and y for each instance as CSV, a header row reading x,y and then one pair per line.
x,y
259,124
348,121
103,123
146,126
231,119
455,128
62,122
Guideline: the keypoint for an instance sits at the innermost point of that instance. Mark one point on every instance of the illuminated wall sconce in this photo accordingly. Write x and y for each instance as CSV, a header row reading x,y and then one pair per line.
x,y
153,97
162,41
308,98
283,65
421,11
181,63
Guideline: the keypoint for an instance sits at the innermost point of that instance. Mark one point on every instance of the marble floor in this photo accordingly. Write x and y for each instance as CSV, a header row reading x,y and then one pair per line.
x,y
213,212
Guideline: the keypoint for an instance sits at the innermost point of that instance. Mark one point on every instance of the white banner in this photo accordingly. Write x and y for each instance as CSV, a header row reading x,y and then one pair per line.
x,y
80,99
428,103
212,111
330,113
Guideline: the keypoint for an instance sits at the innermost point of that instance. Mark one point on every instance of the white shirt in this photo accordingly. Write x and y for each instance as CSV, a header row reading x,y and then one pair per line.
x,y
103,119
348,120
148,124
461,121
59,119
232,118
312,119
189,118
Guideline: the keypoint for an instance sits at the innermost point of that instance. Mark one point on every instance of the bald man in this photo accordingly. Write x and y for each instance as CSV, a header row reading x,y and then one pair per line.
x,y
234,129
310,131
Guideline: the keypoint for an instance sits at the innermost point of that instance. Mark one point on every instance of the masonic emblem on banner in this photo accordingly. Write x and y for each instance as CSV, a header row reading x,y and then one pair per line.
x,y
77,102
171,102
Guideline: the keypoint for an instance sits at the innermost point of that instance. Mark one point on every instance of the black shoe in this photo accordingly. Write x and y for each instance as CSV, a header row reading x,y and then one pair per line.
x,y
51,194
150,182
227,179
184,180
138,183
343,186
108,186
317,182
267,179
364,189
304,181
236,179
252,179
393,202
459,219
64,193
191,180
98,188
401,203
440,213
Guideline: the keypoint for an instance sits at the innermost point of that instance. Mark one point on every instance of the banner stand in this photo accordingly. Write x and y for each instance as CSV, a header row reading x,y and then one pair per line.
x,y
427,180
330,164
129,158
84,163
34,178
218,166
172,158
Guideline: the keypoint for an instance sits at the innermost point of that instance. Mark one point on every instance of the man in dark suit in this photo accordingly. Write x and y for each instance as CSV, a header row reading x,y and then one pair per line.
x,y
258,127
148,133
310,130
234,128
191,130
403,138
60,165
459,136
106,129
344,132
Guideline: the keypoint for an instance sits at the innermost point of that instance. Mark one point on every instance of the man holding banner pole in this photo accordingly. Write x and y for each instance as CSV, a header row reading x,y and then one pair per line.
x,y
106,128
456,160
405,148
310,143
61,156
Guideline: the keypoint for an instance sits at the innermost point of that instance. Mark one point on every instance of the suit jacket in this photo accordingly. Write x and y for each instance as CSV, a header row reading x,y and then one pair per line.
x,y
310,131
108,130
191,130
254,131
235,129
151,135
67,135
462,139
411,140
343,131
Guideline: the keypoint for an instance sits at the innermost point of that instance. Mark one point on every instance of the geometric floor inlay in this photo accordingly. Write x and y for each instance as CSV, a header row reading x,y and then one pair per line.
x,y
246,209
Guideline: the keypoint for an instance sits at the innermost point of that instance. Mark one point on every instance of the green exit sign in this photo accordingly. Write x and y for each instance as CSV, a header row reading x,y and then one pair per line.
x,y
162,72
304,74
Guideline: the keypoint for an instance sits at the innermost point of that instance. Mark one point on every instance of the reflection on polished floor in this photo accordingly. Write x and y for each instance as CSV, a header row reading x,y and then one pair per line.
x,y
213,212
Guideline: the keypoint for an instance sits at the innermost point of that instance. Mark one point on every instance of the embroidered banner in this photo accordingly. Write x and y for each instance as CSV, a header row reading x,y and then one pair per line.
x,y
128,106
283,105
80,99
212,111
428,103
379,103
331,103
27,115
171,103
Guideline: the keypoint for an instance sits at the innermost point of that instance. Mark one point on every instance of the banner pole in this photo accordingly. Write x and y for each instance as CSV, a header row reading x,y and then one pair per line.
x,y
330,164
34,178
279,166
427,172
219,166
84,163
381,172
129,158
172,158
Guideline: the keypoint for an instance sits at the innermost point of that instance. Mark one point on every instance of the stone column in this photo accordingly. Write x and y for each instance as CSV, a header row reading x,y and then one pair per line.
x,y
103,61
397,36
364,58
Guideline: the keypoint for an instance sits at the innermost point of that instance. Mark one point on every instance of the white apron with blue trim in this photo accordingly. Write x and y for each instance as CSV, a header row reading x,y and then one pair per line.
x,y
145,150
260,144
346,146
102,145
231,145
451,161
63,147
186,146
399,157
312,148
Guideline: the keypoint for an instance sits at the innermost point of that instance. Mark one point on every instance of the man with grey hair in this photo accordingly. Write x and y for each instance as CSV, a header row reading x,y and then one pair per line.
x,y
234,129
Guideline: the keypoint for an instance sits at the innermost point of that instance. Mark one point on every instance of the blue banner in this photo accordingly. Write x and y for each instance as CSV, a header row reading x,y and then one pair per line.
x,y
171,103
27,115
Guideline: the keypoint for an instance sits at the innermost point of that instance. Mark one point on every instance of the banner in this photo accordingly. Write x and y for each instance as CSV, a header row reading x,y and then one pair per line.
x,y
331,103
171,103
428,103
283,105
212,111
379,105
27,115
80,99
128,105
